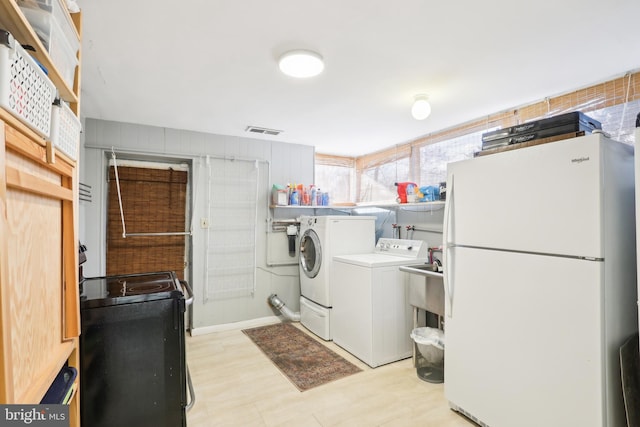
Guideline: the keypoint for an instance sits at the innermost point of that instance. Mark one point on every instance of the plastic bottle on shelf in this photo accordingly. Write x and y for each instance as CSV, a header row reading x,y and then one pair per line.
x,y
411,196
295,198
325,199
314,200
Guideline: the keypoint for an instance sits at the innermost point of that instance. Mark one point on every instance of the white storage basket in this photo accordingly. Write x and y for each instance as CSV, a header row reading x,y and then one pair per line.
x,y
65,130
25,90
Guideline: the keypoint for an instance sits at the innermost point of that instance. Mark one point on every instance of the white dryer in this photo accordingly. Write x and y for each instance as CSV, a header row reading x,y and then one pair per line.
x,y
321,238
372,317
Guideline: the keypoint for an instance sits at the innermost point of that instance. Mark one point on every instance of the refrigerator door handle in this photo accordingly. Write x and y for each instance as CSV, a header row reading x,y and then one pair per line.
x,y
446,257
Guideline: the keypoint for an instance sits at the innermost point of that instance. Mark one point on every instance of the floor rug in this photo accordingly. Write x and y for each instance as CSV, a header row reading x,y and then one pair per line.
x,y
306,362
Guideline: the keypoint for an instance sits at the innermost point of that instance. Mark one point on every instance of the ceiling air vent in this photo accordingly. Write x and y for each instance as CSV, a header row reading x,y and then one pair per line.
x,y
263,131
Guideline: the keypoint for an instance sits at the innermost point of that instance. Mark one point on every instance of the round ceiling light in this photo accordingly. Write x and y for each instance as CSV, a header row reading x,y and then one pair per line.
x,y
301,63
421,107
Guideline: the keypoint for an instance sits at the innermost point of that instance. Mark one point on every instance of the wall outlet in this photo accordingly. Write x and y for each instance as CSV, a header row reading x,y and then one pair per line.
x,y
204,222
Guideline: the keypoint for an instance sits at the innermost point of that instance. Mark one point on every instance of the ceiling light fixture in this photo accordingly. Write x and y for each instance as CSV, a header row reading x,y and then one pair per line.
x,y
421,107
301,63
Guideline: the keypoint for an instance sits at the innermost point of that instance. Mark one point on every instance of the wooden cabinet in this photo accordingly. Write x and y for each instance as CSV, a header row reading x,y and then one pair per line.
x,y
39,301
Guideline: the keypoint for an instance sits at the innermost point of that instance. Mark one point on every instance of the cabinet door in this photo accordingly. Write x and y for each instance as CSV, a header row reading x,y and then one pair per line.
x,y
39,271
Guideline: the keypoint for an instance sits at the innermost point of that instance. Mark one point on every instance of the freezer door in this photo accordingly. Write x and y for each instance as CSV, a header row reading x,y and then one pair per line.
x,y
543,199
523,339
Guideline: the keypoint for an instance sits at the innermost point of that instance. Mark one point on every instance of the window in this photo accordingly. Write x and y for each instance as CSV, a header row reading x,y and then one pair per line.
x,y
371,178
618,120
377,184
435,157
338,180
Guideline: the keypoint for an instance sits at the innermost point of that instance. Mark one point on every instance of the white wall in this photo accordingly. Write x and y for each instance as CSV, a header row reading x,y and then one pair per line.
x,y
286,163
427,220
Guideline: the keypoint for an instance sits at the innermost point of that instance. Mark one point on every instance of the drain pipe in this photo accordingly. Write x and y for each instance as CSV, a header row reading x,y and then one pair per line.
x,y
278,304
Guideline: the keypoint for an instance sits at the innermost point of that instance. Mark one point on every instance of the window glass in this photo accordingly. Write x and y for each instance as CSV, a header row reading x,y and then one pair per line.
x,y
377,184
337,181
618,121
434,157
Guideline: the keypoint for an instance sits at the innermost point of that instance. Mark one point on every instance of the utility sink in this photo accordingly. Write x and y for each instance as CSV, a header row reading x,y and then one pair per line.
x,y
426,288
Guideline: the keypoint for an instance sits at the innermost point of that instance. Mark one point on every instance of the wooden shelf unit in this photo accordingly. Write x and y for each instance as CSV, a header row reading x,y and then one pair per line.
x,y
14,21
39,293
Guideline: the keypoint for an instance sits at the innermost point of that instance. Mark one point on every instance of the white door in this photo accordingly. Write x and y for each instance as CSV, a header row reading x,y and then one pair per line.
x,y
523,339
310,254
544,199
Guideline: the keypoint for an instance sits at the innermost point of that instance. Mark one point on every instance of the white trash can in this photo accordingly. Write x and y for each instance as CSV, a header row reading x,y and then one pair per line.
x,y
430,342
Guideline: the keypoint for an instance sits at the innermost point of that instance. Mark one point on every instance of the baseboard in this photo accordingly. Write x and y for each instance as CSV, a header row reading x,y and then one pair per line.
x,y
262,321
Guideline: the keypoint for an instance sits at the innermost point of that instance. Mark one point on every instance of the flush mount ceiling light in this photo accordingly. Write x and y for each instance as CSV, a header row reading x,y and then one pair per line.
x,y
301,63
421,107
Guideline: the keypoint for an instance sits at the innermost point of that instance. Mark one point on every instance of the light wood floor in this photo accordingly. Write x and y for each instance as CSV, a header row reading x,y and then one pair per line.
x,y
236,385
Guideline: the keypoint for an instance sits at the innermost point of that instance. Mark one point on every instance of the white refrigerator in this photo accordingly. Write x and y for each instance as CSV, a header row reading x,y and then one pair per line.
x,y
637,172
539,274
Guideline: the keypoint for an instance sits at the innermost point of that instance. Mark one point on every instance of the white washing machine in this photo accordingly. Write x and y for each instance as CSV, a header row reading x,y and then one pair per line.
x,y
372,317
321,238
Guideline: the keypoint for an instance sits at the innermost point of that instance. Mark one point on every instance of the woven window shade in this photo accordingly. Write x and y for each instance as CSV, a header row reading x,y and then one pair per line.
x,y
608,94
329,160
153,201
385,156
620,91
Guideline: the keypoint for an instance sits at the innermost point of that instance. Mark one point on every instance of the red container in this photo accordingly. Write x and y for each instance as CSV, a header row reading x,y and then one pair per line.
x,y
402,190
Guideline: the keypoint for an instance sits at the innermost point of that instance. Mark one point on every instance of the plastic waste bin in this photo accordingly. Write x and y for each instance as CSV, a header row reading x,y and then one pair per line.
x,y
430,342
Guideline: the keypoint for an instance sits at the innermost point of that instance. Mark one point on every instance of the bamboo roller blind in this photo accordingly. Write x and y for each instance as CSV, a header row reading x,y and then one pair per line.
x,y
153,201
607,94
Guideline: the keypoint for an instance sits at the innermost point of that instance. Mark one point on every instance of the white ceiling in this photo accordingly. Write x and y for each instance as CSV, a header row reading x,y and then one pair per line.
x,y
211,65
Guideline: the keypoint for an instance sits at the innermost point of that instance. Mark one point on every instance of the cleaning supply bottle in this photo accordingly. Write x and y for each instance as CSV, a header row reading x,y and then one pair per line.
x,y
295,198
314,201
411,194
325,199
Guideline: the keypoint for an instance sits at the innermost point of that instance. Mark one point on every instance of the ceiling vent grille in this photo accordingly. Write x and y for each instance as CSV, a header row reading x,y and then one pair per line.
x,y
263,131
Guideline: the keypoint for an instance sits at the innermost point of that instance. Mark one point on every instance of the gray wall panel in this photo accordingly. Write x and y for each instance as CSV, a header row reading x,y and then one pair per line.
x,y
286,162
